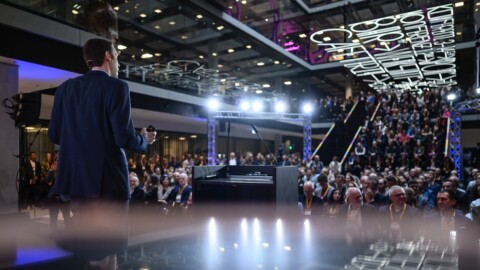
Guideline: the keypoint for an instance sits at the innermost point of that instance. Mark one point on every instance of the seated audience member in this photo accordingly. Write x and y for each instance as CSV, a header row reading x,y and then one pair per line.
x,y
398,220
417,197
340,183
333,204
335,166
232,160
358,219
181,193
377,199
460,195
317,163
151,196
137,194
300,181
309,204
431,189
164,189
324,190
309,176
439,224
382,187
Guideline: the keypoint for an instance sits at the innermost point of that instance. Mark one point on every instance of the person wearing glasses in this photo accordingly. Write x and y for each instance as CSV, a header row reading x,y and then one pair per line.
x,y
398,220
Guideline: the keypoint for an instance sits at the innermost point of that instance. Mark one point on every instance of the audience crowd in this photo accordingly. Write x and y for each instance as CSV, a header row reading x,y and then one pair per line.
x,y
396,173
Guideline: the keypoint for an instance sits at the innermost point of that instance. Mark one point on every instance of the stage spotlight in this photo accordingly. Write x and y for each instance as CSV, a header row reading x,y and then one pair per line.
x,y
307,108
478,90
257,106
213,104
451,96
244,105
280,106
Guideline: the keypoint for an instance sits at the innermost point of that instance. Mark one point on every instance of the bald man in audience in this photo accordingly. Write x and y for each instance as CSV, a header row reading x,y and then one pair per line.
x,y
357,218
308,203
398,220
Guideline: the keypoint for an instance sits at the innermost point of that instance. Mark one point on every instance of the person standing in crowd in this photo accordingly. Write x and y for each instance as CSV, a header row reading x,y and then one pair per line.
x,y
91,117
32,177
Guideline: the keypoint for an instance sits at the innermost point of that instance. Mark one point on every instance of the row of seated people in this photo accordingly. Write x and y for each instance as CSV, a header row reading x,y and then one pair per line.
x,y
172,189
421,186
398,212
408,131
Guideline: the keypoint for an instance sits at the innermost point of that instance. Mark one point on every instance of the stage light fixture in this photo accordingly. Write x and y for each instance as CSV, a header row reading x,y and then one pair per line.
x,y
146,56
478,90
307,108
244,105
213,104
121,47
451,96
280,106
257,106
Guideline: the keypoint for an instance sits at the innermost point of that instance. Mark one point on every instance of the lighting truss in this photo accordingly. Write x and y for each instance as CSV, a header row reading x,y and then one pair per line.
x,y
455,132
306,119
194,76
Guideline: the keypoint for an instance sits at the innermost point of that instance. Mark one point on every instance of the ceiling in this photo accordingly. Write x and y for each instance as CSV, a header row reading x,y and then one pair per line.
x,y
237,48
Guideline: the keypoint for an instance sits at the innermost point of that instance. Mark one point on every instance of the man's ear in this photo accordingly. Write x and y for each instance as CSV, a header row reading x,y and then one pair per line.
x,y
107,57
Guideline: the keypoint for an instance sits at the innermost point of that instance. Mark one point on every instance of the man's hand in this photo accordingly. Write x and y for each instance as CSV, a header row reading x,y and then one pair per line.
x,y
150,136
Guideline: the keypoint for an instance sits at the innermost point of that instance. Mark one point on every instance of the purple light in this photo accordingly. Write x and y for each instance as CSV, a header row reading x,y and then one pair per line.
x,y
37,255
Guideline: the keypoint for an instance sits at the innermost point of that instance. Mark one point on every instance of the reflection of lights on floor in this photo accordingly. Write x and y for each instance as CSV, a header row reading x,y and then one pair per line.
x,y
256,230
287,248
222,249
259,266
265,245
279,226
235,245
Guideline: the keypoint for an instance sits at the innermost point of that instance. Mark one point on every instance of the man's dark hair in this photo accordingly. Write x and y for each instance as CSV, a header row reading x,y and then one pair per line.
x,y
94,51
451,194
154,179
322,178
391,178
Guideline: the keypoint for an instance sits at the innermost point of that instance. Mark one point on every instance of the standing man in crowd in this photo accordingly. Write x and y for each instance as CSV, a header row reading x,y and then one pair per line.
x,y
32,177
92,124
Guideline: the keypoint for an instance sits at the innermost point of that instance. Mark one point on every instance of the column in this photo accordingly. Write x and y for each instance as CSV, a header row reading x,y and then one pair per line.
x,y
9,136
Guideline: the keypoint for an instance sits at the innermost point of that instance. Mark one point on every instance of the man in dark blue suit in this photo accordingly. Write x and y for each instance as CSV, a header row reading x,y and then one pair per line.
x,y
92,124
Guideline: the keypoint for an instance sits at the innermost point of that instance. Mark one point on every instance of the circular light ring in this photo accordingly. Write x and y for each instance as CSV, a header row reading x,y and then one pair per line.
x,y
184,65
392,18
404,18
353,26
400,36
322,32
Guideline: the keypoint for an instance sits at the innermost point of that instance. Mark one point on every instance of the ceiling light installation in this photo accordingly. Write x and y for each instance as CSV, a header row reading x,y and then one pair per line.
x,y
406,52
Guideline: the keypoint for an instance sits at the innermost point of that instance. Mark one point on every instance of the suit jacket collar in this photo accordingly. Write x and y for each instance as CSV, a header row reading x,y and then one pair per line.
x,y
97,72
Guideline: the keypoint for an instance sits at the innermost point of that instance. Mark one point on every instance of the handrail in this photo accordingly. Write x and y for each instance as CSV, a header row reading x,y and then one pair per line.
x,y
375,112
445,154
351,143
348,116
323,140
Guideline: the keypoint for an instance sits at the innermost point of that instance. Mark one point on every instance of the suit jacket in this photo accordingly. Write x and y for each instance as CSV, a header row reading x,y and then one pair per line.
x,y
29,173
91,122
409,224
433,224
369,218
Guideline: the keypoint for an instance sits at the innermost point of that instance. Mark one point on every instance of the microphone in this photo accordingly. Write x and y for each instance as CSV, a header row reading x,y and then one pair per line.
x,y
264,144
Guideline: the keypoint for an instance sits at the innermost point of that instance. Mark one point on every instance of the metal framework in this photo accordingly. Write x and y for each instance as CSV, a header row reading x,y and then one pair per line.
x,y
305,118
455,132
